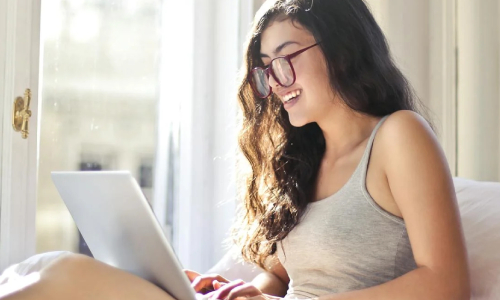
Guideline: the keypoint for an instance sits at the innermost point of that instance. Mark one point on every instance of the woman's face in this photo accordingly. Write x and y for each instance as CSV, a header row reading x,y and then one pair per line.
x,y
316,97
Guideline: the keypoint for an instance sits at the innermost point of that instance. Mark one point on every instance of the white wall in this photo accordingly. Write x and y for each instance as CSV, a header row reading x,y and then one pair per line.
x,y
442,75
478,90
406,26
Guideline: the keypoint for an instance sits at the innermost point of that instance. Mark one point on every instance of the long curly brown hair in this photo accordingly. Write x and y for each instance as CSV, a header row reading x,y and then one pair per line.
x,y
284,160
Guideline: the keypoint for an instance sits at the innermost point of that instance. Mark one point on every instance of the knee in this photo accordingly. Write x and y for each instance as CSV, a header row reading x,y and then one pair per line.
x,y
72,258
69,263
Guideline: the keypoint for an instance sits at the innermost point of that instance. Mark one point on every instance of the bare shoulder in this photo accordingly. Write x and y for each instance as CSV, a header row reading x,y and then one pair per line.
x,y
405,124
414,163
407,138
404,138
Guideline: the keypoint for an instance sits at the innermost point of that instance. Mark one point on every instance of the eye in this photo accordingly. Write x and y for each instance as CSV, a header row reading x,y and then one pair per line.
x,y
265,62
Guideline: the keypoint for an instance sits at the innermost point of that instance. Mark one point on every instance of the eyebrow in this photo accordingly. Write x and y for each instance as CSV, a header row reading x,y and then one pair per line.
x,y
279,48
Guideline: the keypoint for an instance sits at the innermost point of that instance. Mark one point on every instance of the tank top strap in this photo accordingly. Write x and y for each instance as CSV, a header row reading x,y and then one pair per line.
x,y
366,155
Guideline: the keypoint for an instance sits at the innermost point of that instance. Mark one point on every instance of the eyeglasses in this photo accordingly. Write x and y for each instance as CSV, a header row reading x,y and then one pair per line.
x,y
280,68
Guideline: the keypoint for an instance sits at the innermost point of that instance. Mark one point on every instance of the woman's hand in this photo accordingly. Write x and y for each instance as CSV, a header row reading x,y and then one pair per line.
x,y
205,283
239,289
217,287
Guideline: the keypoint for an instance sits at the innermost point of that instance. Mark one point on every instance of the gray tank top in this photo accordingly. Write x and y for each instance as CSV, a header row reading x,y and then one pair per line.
x,y
345,242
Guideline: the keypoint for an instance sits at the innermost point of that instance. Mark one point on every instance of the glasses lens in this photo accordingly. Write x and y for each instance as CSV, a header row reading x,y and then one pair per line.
x,y
260,82
283,71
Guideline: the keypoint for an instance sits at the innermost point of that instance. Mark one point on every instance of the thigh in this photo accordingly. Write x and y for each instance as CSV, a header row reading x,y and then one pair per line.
x,y
80,277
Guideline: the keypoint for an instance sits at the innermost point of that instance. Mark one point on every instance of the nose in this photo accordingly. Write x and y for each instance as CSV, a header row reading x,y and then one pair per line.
x,y
273,83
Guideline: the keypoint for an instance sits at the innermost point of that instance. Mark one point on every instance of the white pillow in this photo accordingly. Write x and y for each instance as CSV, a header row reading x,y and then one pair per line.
x,y
479,204
232,267
33,264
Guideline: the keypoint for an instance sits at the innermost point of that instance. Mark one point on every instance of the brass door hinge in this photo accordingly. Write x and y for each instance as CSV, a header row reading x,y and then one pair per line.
x,y
21,114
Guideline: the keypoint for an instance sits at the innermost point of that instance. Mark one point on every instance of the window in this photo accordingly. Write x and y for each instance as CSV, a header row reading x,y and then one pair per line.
x,y
100,94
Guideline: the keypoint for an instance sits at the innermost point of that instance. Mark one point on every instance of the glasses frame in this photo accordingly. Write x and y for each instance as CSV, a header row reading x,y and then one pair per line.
x,y
269,71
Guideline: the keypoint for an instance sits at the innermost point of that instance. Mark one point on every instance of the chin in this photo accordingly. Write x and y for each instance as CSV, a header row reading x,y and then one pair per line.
x,y
298,122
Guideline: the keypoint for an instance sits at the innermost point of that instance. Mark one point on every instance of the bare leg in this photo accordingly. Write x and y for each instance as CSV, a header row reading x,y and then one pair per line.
x,y
79,277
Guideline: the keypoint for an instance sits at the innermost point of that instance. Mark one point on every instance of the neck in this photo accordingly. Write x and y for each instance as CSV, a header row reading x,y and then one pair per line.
x,y
344,130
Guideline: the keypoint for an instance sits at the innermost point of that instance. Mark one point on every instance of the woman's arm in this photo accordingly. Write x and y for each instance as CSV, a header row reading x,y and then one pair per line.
x,y
422,187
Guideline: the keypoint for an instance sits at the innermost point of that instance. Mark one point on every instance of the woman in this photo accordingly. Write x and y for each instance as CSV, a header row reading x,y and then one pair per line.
x,y
349,194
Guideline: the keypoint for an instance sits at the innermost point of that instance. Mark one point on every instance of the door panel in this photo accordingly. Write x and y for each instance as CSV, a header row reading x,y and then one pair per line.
x,y
19,56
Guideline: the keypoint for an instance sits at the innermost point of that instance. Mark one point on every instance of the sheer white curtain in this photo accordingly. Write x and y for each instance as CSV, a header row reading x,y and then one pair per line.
x,y
197,149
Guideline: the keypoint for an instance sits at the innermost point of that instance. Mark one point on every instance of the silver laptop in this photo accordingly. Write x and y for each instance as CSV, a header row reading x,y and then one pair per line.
x,y
120,227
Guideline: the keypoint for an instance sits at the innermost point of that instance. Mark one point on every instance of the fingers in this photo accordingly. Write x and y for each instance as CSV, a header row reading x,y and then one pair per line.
x,y
235,289
205,283
226,289
217,284
247,290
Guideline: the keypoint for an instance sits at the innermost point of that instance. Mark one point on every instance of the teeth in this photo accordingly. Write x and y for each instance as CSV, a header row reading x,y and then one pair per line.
x,y
291,95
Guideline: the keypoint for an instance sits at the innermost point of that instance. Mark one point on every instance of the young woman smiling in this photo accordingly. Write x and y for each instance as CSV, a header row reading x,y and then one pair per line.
x,y
350,195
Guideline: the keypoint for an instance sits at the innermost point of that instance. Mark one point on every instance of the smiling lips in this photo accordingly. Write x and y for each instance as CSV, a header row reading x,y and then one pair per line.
x,y
291,95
